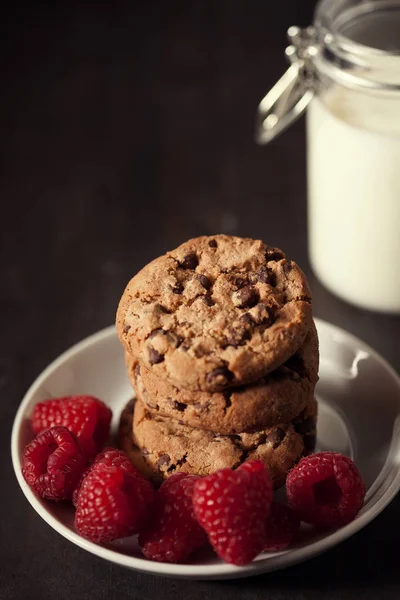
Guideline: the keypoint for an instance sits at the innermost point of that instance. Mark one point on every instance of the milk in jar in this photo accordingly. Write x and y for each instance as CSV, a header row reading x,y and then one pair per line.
x,y
353,146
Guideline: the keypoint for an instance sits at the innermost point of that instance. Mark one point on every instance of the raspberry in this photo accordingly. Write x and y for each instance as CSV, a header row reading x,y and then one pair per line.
x,y
326,489
113,502
233,506
282,526
87,417
53,464
109,457
174,533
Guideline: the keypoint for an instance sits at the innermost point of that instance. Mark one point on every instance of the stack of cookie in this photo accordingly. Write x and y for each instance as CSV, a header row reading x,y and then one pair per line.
x,y
222,352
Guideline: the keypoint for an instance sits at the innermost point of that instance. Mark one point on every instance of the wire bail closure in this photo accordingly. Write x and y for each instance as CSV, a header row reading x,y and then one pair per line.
x,y
290,96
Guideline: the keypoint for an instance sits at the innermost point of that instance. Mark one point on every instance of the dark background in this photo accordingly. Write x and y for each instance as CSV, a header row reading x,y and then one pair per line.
x,y
126,128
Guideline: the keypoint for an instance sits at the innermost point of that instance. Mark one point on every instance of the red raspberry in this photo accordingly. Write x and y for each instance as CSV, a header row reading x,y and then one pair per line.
x,y
174,532
53,464
87,417
109,457
282,527
113,502
326,489
233,506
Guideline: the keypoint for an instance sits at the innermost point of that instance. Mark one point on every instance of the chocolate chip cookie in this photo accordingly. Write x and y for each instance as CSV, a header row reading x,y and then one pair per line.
x,y
217,312
160,447
276,398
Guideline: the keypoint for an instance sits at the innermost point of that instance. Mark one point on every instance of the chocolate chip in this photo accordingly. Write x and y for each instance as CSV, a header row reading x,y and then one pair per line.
x,y
163,460
154,356
155,332
304,426
240,282
274,254
126,328
137,370
181,461
163,309
246,335
208,300
310,441
205,282
287,266
265,275
219,377
178,288
199,351
262,275
264,314
237,337
179,340
246,297
276,437
190,261
178,405
173,339
213,243
248,319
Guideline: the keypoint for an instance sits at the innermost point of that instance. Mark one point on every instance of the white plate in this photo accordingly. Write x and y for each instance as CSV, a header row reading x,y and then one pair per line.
x,y
359,395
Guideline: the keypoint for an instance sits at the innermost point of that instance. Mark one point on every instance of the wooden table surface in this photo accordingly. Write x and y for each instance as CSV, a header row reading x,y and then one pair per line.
x,y
126,128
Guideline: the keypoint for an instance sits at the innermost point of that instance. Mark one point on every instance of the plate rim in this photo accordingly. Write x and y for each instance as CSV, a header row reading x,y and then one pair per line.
x,y
192,571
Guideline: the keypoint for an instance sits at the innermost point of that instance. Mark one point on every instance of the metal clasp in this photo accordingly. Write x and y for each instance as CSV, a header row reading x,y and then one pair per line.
x,y
290,96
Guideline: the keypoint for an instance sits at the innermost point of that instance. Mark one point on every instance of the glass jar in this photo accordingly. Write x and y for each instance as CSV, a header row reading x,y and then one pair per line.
x,y
346,71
